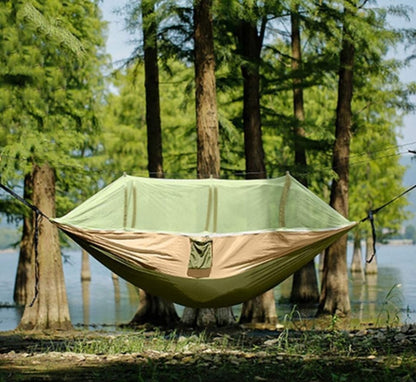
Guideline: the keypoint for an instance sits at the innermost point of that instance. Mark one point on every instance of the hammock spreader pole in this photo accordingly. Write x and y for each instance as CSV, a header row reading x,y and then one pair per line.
x,y
371,214
38,218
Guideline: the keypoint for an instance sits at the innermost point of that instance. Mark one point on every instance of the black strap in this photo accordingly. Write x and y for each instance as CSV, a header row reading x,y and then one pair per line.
x,y
24,201
38,219
370,217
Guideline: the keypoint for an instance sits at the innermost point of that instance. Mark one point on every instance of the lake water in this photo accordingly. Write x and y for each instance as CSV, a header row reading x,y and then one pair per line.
x,y
106,301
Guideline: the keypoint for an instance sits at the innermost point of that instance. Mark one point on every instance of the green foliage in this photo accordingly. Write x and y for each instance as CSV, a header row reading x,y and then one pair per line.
x,y
48,29
50,93
389,314
51,96
124,127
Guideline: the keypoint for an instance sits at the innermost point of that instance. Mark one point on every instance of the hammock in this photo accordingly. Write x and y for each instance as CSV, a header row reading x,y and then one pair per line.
x,y
207,242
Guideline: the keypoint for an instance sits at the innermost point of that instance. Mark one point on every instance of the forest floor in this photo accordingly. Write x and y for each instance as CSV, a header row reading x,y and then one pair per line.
x,y
233,354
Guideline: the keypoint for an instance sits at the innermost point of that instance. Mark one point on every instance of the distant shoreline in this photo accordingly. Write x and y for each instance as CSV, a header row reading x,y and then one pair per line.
x,y
8,250
400,242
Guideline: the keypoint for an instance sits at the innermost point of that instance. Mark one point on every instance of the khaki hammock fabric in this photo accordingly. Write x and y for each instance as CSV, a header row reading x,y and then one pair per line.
x,y
204,243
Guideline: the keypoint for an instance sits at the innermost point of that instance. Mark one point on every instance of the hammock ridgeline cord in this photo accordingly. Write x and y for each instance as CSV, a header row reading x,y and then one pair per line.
x,y
371,214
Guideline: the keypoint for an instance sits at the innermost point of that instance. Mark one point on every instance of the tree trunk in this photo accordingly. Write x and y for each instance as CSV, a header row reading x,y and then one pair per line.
x,y
25,278
85,286
356,263
305,283
208,154
50,309
250,45
261,308
151,72
370,267
152,309
85,266
334,297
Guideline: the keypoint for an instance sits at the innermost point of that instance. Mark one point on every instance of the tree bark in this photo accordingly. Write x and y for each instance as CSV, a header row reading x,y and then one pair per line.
x,y
370,267
250,45
85,286
50,309
305,283
151,72
208,153
25,278
85,266
356,262
261,309
334,297
154,310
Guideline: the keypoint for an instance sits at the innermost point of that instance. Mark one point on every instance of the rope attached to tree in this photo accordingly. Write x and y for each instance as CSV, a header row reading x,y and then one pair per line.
x,y
371,214
39,215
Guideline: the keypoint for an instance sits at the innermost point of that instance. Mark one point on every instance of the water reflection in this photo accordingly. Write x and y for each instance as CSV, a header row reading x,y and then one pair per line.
x,y
357,293
101,299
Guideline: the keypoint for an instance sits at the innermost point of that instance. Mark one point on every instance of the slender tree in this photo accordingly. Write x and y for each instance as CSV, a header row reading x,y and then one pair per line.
x,y
305,283
262,308
151,73
208,155
153,309
334,297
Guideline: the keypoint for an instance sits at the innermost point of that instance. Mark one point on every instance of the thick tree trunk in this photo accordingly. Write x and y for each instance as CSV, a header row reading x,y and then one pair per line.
x,y
305,283
208,154
50,308
25,278
154,310
334,297
261,309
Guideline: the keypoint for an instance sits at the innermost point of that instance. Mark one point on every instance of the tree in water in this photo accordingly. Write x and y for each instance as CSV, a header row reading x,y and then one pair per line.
x,y
25,280
49,309
357,260
208,155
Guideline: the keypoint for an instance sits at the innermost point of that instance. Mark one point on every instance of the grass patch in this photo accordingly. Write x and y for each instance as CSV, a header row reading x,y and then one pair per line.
x,y
329,353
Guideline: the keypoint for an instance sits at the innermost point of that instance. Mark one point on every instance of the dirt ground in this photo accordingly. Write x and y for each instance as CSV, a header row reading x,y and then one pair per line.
x,y
382,354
